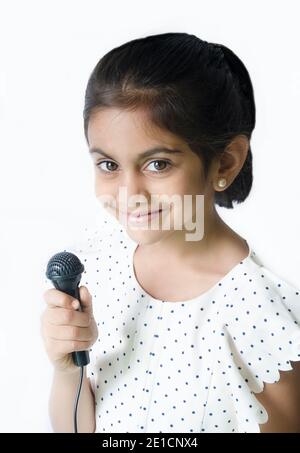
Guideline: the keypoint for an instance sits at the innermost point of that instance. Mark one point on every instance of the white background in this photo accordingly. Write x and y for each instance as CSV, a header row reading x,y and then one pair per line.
x,y
48,50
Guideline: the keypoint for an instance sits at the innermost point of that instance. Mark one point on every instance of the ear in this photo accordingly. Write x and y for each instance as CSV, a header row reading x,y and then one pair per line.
x,y
233,157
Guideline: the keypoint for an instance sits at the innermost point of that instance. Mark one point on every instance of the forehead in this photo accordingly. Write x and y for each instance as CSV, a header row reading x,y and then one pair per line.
x,y
113,129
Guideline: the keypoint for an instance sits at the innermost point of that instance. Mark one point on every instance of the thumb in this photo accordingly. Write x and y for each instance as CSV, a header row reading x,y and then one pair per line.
x,y
85,299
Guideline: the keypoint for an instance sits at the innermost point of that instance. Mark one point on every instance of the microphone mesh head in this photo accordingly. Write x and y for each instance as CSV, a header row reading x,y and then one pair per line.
x,y
64,265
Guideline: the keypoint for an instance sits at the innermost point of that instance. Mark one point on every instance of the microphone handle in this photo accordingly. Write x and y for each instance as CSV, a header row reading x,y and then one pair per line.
x,y
80,358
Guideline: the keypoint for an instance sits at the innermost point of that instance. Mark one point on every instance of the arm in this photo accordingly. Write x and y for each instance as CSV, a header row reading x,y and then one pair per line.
x,y
62,399
282,402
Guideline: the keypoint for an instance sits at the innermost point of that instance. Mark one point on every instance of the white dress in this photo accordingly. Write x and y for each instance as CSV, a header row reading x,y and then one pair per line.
x,y
184,367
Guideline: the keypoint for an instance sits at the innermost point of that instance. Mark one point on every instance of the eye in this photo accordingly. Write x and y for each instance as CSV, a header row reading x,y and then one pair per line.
x,y
168,165
110,166
105,162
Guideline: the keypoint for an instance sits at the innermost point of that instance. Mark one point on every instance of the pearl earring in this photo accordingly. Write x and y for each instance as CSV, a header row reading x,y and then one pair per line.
x,y
222,182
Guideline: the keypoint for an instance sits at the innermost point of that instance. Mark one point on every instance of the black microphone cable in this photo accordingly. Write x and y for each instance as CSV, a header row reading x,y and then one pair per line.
x,y
77,398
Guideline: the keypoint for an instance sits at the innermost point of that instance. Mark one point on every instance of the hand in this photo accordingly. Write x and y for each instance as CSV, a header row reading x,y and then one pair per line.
x,y
65,329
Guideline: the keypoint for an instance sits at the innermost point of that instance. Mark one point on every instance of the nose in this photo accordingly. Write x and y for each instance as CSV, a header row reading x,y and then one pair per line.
x,y
133,191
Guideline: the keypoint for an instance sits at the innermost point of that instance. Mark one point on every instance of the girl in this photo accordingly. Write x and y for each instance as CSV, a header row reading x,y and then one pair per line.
x,y
186,334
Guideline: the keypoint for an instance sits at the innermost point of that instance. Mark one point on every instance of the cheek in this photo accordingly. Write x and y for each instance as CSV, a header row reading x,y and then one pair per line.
x,y
102,186
104,194
191,184
98,187
196,182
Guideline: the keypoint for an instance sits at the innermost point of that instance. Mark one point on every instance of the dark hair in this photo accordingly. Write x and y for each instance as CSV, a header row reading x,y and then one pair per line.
x,y
198,90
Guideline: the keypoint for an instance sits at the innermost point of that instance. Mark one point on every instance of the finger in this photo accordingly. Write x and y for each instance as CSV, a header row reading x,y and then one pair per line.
x,y
68,346
85,300
57,298
65,317
72,333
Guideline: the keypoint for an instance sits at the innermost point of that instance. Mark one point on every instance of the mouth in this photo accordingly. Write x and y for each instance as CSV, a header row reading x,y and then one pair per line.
x,y
141,217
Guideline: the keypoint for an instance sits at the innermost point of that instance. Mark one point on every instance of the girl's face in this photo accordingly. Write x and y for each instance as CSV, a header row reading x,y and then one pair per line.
x,y
125,136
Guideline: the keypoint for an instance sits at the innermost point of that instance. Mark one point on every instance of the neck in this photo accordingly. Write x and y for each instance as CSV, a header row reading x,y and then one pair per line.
x,y
176,247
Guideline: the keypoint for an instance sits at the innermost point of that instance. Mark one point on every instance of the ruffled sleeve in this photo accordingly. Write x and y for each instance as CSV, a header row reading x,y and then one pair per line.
x,y
257,335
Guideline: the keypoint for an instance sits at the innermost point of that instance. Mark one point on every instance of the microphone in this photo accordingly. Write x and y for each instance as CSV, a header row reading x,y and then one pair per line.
x,y
64,269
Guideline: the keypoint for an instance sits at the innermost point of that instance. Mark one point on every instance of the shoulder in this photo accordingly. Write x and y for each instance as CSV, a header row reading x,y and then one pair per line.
x,y
260,327
263,302
281,398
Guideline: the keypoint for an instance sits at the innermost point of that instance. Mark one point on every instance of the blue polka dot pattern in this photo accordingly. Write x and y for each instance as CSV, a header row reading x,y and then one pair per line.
x,y
192,366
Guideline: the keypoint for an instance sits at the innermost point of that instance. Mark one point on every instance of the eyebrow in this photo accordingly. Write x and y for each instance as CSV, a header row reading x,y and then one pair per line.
x,y
149,152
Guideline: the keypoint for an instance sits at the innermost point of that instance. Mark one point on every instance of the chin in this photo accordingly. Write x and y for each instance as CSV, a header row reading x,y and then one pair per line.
x,y
144,237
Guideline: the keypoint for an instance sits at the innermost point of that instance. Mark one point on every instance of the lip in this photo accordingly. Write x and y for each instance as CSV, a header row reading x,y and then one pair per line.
x,y
143,218
136,215
140,218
